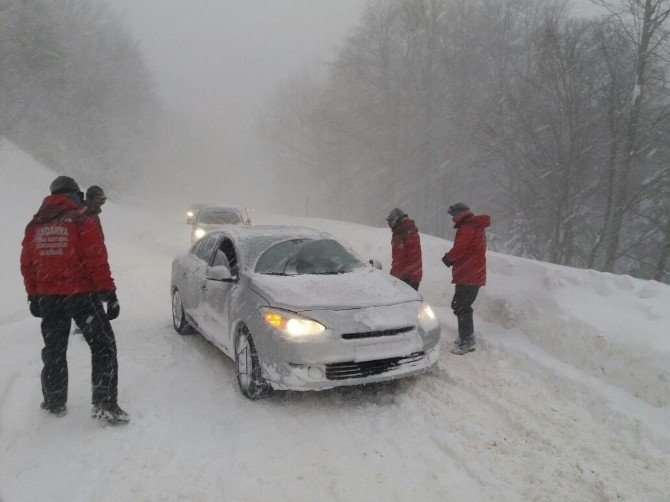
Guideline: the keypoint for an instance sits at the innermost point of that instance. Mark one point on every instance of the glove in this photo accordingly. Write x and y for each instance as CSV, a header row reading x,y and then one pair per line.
x,y
113,308
446,261
34,305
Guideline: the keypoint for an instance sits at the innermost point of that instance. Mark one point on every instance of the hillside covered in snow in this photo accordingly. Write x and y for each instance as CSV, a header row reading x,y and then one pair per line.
x,y
566,398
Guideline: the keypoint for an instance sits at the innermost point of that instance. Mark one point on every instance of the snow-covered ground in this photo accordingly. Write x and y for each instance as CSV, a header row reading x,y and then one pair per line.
x,y
567,397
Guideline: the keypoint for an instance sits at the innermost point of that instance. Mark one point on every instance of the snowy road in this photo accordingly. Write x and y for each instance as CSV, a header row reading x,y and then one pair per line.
x,y
516,420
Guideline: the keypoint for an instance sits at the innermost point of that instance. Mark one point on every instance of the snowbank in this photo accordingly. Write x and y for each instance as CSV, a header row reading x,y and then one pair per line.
x,y
565,399
613,327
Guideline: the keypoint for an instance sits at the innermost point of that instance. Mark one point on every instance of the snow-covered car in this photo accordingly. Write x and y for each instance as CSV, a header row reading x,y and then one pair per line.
x,y
298,310
204,219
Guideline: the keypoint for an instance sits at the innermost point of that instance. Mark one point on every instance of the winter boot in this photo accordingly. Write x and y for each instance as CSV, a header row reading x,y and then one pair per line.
x,y
60,410
463,346
110,412
466,339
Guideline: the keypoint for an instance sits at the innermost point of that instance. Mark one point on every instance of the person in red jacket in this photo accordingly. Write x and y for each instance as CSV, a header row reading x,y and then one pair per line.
x,y
405,248
467,259
92,206
66,275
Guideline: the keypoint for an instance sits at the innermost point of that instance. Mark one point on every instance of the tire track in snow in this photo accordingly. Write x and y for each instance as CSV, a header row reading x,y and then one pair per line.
x,y
511,427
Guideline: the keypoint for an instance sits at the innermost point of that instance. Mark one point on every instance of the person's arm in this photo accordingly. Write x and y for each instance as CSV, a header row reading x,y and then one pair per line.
x,y
28,263
461,246
396,259
94,255
413,268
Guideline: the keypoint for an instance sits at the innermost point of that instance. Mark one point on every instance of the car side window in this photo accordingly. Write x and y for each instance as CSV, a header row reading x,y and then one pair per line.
x,y
226,255
220,259
196,246
206,250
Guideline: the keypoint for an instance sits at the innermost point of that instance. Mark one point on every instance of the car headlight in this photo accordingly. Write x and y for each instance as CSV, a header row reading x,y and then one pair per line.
x,y
427,318
198,233
189,214
290,323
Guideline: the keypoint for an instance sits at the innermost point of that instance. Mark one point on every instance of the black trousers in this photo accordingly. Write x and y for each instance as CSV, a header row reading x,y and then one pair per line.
x,y
406,280
461,304
87,311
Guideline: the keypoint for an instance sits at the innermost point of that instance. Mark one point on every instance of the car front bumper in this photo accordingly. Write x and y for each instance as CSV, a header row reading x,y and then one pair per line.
x,y
331,360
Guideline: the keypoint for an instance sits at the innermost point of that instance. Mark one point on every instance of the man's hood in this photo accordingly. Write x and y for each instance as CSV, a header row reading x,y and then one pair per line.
x,y
54,206
481,221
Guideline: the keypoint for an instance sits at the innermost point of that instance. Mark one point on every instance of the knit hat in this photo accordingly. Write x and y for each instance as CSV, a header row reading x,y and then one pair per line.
x,y
459,207
395,215
95,191
64,185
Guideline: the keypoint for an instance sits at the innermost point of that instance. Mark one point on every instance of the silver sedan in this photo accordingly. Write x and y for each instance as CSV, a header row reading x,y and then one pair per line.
x,y
298,310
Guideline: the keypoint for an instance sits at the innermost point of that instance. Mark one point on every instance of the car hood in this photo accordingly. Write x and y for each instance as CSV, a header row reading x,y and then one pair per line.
x,y
367,287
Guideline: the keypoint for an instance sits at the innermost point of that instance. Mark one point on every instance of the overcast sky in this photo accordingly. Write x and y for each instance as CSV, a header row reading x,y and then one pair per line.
x,y
220,58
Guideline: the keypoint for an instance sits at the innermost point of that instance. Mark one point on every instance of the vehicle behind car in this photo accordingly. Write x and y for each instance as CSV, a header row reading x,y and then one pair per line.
x,y
204,219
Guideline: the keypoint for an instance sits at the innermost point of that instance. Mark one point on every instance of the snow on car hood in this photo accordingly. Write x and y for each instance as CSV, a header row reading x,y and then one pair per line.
x,y
366,287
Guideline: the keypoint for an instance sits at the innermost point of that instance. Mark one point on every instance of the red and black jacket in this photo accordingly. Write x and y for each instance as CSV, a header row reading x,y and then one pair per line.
x,y
406,252
468,255
63,251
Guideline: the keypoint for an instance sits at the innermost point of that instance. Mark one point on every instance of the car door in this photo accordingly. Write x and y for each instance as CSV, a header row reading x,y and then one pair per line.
x,y
196,277
183,275
217,295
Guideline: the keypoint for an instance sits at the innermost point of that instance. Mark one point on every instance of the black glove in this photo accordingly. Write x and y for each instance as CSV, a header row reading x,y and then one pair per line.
x,y
446,261
113,308
34,305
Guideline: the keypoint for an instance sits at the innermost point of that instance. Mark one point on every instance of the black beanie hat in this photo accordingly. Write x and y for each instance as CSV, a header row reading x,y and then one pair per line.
x,y
459,207
94,191
64,185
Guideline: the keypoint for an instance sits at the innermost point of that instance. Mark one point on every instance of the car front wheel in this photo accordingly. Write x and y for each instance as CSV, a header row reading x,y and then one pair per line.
x,y
178,317
249,374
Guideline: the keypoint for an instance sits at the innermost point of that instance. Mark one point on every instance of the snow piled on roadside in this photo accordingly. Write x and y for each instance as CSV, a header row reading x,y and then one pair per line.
x,y
566,397
613,327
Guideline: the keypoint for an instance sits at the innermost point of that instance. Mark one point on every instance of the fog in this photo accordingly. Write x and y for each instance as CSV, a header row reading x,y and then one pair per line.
x,y
550,116
215,63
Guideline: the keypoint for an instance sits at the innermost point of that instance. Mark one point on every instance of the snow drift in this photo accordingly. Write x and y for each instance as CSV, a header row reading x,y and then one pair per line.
x,y
567,397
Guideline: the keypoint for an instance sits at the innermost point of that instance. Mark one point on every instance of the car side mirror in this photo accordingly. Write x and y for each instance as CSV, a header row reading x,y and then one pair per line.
x,y
220,273
375,263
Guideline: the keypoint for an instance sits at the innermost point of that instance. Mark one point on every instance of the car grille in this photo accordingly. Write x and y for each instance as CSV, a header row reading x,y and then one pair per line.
x,y
343,371
373,334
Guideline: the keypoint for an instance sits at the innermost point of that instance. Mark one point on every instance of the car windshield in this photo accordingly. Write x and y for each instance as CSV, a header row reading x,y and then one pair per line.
x,y
307,256
220,217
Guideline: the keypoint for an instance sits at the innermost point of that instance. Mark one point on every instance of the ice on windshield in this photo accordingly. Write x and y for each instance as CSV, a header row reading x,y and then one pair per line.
x,y
307,256
220,217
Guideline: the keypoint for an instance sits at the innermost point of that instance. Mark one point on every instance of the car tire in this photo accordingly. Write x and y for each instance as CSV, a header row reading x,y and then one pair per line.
x,y
249,374
179,321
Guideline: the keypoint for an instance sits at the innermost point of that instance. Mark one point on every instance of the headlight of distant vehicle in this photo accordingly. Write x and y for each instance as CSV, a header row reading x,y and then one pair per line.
x,y
427,318
190,214
292,324
198,233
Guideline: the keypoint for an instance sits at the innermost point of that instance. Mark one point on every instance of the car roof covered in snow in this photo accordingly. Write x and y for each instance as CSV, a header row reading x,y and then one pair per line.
x,y
279,232
253,241
221,208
